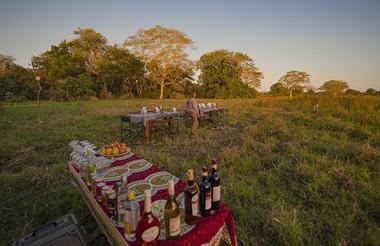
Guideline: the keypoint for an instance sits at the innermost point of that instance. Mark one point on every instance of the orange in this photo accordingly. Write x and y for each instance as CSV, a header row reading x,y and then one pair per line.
x,y
109,150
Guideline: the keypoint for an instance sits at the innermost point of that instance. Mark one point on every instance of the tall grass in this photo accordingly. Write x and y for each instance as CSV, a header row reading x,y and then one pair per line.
x,y
289,175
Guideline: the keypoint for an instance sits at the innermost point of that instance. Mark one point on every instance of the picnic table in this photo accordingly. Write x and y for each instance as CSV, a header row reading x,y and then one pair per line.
x,y
155,119
213,114
209,230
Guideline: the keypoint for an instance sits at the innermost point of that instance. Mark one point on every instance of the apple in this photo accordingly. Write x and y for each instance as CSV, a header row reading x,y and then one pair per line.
x,y
103,150
115,150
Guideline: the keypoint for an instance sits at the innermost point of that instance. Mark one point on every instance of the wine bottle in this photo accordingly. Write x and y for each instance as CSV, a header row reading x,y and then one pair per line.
x,y
148,228
191,199
121,197
131,217
205,193
215,185
172,214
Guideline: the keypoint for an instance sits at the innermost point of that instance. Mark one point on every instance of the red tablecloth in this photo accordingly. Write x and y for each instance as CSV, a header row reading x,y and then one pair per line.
x,y
206,227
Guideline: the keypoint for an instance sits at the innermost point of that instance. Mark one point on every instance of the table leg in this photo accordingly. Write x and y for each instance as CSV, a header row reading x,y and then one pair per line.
x,y
146,131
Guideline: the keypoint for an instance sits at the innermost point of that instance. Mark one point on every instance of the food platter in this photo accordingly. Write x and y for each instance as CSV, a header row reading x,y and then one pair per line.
x,y
160,179
139,165
139,187
127,151
114,173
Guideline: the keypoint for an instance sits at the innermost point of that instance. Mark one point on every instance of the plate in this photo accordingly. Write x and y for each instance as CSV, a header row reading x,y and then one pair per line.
x,y
139,187
158,208
127,151
114,173
139,165
160,179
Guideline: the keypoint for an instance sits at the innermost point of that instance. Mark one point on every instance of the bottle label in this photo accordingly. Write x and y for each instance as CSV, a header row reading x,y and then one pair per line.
x,y
150,234
194,205
208,201
127,228
131,219
216,193
175,225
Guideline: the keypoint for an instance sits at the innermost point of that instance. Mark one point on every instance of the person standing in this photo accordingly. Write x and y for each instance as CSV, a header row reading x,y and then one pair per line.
x,y
191,108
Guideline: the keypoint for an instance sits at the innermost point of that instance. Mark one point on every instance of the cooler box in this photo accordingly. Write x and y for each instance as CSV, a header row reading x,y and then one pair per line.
x,y
61,232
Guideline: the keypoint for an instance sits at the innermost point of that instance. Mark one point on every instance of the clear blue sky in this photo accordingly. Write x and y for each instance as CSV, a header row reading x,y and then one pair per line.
x,y
329,39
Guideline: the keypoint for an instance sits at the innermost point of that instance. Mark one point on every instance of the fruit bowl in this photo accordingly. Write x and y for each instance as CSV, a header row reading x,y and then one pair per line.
x,y
114,150
127,151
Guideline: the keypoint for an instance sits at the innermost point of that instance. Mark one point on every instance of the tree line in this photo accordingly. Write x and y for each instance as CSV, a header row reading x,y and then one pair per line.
x,y
152,63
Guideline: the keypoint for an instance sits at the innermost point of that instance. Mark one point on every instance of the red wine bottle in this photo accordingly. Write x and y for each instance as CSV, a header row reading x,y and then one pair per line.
x,y
205,193
191,199
148,228
215,186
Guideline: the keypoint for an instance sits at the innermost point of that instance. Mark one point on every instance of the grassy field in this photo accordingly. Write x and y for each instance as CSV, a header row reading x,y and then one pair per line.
x,y
290,176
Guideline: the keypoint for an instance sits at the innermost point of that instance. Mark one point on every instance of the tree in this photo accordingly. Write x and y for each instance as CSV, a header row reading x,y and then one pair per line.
x,y
228,74
292,79
5,62
352,92
163,52
57,64
16,81
120,72
278,89
90,46
371,91
334,87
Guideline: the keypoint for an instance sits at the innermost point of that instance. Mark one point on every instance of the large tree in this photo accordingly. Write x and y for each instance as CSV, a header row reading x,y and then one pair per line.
x,y
334,87
5,62
278,89
294,79
16,82
91,46
228,74
371,91
120,72
163,50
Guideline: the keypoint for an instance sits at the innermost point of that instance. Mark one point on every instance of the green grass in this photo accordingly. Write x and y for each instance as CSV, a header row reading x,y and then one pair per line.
x,y
289,176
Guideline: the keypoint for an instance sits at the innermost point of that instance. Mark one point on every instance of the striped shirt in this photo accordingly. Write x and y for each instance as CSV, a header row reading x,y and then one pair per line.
x,y
191,106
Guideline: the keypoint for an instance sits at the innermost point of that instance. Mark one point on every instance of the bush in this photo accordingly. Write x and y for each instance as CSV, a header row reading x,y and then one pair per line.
x,y
10,97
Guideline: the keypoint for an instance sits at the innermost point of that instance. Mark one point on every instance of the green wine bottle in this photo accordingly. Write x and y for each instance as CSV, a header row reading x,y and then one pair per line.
x,y
172,214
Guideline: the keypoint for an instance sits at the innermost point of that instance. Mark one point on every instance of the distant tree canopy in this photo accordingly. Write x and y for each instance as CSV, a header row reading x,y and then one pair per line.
x,y
352,92
163,52
294,80
334,87
228,74
16,82
278,89
152,63
372,92
88,66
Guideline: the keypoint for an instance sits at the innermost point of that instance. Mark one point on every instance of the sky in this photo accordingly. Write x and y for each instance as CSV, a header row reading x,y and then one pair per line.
x,y
328,39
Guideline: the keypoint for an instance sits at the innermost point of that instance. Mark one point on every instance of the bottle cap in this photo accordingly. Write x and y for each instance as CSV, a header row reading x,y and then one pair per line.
x,y
112,195
204,171
171,187
131,195
190,174
124,179
147,193
214,162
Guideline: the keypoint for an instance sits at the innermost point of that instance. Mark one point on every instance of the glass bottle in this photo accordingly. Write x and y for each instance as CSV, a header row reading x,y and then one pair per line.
x,y
148,228
215,186
172,214
205,193
191,199
131,217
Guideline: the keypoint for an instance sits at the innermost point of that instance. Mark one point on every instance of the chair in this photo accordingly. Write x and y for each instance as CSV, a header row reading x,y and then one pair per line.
x,y
130,130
